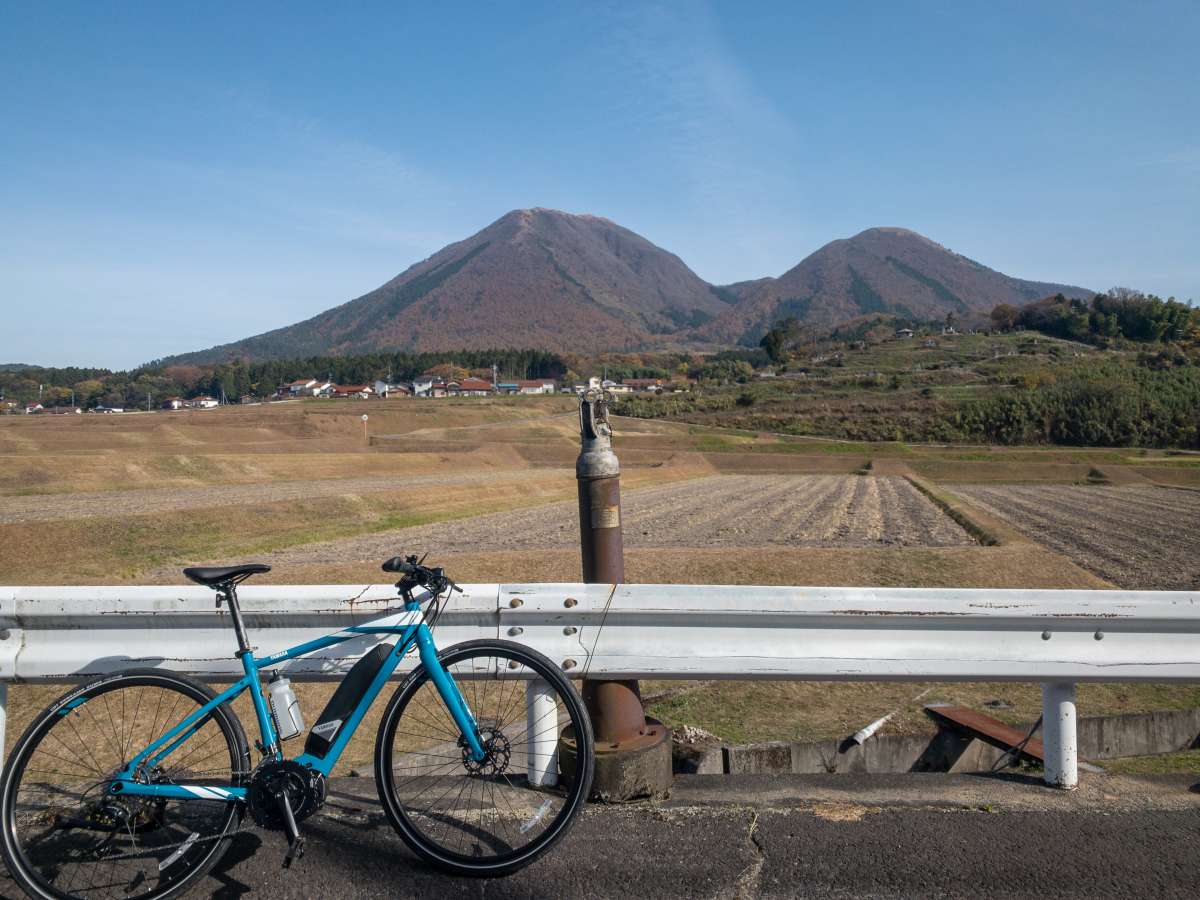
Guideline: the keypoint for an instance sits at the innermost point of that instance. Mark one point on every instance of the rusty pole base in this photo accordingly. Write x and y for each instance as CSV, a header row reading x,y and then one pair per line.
x,y
634,769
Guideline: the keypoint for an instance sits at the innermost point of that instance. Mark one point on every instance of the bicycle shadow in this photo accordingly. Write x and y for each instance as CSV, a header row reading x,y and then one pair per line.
x,y
373,852
244,848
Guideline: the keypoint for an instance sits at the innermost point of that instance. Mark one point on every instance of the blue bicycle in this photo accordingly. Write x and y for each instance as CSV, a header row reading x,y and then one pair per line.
x,y
135,784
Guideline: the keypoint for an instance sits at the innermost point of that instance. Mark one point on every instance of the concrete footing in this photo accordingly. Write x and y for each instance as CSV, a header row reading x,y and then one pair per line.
x,y
641,769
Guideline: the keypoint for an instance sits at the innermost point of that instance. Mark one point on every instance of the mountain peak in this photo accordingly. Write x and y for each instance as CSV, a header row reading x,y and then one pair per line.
x,y
533,278
884,269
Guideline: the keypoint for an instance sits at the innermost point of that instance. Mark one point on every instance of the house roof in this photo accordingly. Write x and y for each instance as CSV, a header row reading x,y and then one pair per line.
x,y
535,382
351,388
474,384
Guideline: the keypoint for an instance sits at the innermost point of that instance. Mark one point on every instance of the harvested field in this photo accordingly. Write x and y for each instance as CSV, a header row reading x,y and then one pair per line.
x,y
43,508
1135,537
718,511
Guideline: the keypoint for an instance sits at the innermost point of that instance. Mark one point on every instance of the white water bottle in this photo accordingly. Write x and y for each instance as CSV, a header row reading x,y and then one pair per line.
x,y
285,708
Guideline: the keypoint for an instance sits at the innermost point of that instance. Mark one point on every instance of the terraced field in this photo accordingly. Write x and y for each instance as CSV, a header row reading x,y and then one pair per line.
x,y
718,511
1136,537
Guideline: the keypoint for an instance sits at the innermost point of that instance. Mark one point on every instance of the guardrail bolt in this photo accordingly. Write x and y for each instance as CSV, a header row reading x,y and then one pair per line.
x,y
633,753
1046,635
1099,635
4,634
569,630
570,603
515,630
515,602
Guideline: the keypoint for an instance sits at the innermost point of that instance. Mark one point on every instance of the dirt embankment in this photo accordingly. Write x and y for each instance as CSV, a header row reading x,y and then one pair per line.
x,y
107,504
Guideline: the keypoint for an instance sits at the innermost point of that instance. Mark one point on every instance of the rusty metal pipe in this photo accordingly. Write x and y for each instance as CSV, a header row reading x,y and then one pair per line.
x,y
615,706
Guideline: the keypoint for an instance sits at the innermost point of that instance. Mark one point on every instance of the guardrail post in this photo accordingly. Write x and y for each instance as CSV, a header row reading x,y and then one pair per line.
x,y
3,721
1059,737
541,721
633,753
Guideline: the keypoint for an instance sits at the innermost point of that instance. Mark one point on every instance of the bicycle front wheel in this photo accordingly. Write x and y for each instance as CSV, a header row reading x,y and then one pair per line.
x,y
65,836
488,817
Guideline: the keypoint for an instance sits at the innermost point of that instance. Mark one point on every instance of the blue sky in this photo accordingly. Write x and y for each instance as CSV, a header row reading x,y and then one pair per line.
x,y
173,176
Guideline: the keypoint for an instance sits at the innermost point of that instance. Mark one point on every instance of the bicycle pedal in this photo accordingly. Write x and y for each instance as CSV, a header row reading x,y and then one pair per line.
x,y
295,851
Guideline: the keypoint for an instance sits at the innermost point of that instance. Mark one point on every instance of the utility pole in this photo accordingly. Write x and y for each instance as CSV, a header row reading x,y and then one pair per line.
x,y
633,753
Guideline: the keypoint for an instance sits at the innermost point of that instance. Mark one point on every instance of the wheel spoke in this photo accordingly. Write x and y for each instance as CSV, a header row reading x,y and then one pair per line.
x,y
465,814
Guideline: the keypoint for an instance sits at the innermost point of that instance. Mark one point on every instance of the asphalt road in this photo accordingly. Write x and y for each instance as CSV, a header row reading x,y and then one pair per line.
x,y
812,836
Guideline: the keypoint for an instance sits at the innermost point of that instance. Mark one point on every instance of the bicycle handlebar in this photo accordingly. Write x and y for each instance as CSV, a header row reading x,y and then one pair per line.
x,y
417,575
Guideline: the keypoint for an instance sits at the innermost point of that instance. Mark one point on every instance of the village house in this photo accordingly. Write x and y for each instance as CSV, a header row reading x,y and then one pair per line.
x,y
904,333
34,407
351,391
202,402
300,388
536,386
388,390
613,388
473,387
422,386
172,403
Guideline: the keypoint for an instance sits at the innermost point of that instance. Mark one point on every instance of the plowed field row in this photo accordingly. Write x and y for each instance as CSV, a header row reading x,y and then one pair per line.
x,y
1135,537
720,511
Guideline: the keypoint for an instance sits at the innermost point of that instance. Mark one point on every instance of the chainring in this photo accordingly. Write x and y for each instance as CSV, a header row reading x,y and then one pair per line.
x,y
305,789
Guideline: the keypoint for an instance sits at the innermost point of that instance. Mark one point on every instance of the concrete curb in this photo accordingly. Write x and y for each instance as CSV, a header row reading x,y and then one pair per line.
x,y
1100,737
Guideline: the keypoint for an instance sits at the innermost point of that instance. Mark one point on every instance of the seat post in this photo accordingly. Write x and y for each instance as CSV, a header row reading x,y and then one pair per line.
x,y
229,593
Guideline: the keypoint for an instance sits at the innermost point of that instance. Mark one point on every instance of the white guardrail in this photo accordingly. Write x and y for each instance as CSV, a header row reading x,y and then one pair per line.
x,y
1058,638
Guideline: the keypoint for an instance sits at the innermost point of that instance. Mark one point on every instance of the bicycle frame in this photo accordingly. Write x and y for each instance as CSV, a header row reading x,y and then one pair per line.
x,y
412,630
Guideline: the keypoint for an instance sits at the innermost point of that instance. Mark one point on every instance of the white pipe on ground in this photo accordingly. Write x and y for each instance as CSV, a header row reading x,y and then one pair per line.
x,y
1059,736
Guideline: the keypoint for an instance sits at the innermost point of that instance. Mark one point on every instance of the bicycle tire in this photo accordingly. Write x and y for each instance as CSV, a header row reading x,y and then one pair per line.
x,y
172,879
403,819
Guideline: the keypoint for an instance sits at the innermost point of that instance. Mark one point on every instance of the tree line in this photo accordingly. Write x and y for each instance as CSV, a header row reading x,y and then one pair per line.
x,y
1119,314
146,386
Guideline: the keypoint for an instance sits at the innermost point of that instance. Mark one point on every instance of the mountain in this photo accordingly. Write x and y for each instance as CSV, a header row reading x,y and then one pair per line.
x,y
880,270
533,278
551,280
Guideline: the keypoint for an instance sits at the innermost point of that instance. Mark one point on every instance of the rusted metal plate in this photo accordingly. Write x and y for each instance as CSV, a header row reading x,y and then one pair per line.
x,y
987,729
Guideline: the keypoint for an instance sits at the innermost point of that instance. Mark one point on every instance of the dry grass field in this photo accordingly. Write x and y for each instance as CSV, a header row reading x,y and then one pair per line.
x,y
487,486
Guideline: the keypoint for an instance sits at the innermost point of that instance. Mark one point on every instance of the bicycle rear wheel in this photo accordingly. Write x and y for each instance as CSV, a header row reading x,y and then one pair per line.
x,y
65,836
495,816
